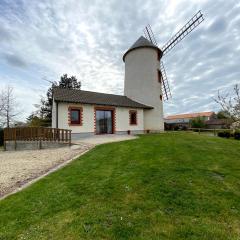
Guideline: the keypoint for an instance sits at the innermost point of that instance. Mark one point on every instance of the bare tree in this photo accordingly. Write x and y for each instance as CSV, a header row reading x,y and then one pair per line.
x,y
8,107
230,104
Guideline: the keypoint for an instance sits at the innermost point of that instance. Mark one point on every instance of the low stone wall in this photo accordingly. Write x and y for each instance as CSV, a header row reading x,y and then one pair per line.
x,y
77,136
32,145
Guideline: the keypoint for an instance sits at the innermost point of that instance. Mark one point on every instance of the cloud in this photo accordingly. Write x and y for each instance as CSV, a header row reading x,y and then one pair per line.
x,y
88,39
15,61
218,25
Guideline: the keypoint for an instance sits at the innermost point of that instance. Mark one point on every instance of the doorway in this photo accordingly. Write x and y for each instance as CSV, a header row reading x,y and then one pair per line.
x,y
104,121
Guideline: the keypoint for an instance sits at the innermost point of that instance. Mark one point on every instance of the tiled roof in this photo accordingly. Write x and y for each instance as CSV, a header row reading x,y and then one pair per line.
x,y
219,121
190,115
87,97
140,43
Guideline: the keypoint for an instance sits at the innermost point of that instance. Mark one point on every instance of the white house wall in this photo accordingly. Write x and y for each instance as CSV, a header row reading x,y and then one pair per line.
x,y
122,121
87,118
54,114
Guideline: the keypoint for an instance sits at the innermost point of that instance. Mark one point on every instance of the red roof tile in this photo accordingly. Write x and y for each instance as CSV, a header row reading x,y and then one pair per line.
x,y
190,115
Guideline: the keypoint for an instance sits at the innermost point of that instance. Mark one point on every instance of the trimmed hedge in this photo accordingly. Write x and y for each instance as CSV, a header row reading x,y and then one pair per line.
x,y
236,135
226,134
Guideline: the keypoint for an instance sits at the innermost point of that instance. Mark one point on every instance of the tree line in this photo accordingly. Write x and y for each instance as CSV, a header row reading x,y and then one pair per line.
x,y
42,117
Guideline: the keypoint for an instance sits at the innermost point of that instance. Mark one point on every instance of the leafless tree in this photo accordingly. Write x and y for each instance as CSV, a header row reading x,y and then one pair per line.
x,y
8,107
230,103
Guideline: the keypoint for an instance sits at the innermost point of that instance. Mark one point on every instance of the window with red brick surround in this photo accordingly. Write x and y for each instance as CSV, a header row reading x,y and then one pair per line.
x,y
158,55
75,116
159,76
133,117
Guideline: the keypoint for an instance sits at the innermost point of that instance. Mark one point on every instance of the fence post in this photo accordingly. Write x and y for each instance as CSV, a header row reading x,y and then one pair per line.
x,y
4,139
70,137
15,138
199,130
214,132
40,143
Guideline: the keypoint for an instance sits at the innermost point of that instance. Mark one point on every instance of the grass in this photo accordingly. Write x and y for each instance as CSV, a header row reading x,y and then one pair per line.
x,y
167,186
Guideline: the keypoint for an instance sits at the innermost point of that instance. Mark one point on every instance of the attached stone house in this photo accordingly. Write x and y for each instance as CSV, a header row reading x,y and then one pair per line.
x,y
140,109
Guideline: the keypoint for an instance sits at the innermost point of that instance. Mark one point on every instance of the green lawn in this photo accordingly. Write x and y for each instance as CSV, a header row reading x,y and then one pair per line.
x,y
167,186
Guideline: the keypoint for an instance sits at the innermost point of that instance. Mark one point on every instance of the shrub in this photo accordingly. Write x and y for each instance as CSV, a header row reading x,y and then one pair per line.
x,y
237,135
1,137
197,122
224,134
176,128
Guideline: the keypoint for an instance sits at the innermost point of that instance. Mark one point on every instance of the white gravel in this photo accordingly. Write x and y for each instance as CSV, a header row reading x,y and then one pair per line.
x,y
20,167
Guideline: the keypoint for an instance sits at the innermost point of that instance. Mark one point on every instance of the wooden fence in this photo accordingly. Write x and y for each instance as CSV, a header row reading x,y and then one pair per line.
x,y
214,131
37,134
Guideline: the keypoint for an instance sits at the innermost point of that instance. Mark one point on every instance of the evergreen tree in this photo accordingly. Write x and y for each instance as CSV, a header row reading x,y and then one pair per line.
x,y
43,116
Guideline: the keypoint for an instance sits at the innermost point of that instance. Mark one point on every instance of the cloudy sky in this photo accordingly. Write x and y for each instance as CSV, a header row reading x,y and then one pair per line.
x,y
47,38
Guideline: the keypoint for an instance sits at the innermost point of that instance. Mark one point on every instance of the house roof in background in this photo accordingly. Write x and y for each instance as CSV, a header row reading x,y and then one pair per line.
x,y
190,115
142,42
219,121
87,97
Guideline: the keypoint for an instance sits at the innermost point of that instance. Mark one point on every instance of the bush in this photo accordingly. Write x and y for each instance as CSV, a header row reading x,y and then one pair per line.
x,y
237,135
176,128
197,122
224,134
1,137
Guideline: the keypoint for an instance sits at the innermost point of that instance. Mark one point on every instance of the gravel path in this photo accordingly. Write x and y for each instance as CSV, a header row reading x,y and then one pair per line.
x,y
20,167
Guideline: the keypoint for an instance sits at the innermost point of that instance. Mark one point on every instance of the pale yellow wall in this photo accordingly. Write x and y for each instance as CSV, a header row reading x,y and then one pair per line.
x,y
141,84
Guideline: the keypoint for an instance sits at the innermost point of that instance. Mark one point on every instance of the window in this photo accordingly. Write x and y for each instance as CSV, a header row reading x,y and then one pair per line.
x,y
159,76
133,117
75,116
161,97
158,56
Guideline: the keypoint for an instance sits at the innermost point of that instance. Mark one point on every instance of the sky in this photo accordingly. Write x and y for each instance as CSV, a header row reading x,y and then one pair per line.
x,y
45,39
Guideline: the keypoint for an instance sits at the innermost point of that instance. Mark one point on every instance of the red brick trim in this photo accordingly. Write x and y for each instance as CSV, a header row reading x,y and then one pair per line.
x,y
130,112
69,115
158,56
159,76
106,108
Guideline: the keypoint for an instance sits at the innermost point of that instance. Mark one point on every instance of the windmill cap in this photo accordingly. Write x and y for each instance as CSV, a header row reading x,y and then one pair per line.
x,y
142,42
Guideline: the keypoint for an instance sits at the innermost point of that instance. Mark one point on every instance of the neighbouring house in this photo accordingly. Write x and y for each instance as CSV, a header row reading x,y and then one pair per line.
x,y
218,123
140,109
183,120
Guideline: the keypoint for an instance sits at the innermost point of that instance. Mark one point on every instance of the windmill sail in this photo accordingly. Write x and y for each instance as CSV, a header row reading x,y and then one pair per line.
x,y
165,85
183,32
149,34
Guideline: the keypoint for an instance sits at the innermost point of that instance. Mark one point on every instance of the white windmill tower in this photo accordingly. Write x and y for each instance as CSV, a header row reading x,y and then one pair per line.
x,y
145,77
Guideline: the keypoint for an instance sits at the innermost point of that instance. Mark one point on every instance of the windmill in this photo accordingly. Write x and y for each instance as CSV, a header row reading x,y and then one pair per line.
x,y
180,35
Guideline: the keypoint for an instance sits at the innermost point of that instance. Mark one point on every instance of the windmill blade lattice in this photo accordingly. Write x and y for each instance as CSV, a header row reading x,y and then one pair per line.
x,y
165,85
149,34
183,32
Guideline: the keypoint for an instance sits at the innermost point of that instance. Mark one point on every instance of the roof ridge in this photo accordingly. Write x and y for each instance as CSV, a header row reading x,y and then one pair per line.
x,y
88,91
89,97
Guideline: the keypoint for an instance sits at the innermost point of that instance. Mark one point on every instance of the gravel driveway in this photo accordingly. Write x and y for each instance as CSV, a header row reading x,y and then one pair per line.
x,y
20,167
